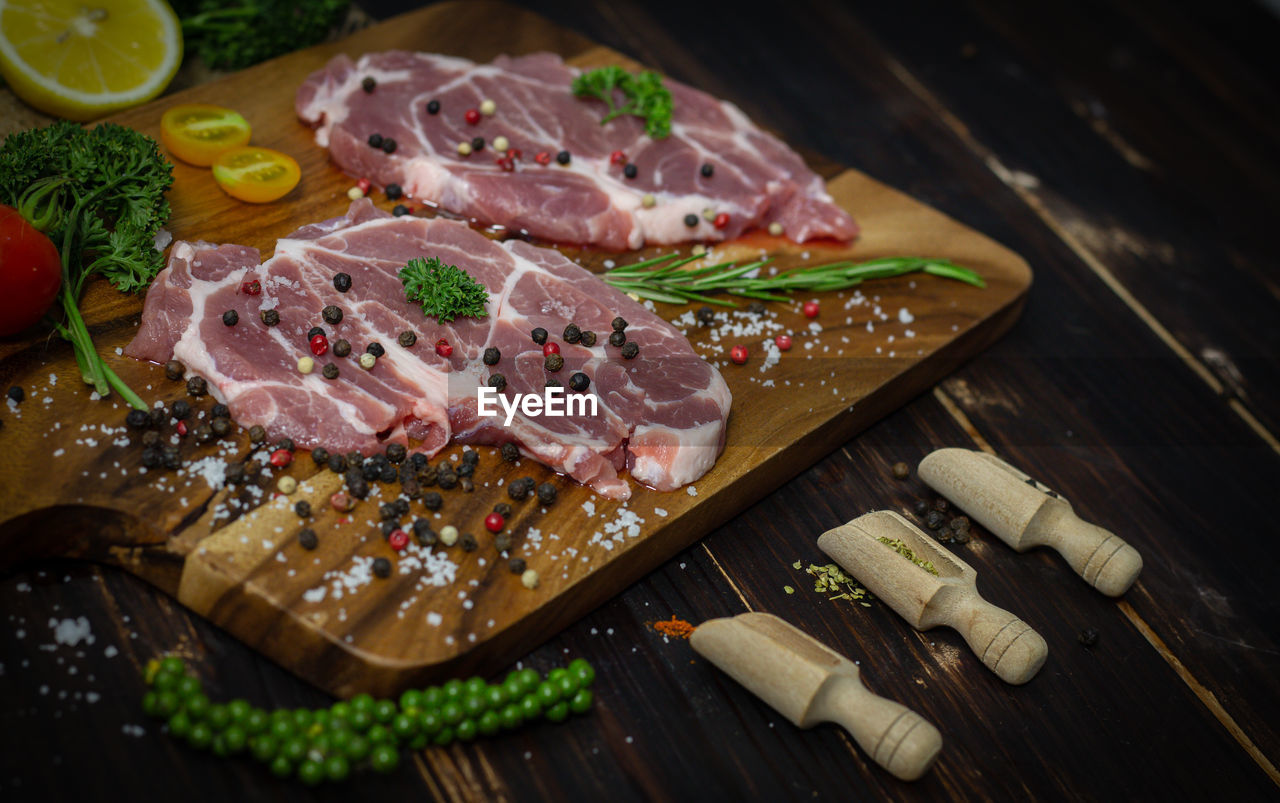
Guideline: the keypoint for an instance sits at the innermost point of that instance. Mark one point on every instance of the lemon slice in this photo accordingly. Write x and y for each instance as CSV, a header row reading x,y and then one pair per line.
x,y
82,59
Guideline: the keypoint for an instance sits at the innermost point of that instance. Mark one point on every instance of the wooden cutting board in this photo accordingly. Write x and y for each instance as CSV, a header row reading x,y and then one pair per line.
x,y
72,485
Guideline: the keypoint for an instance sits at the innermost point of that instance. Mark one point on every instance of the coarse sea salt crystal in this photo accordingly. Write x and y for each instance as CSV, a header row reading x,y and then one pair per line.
x,y
660,511
71,631
905,316
692,491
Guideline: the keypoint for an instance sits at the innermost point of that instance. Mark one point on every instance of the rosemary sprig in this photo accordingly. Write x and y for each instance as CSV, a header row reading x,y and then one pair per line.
x,y
661,278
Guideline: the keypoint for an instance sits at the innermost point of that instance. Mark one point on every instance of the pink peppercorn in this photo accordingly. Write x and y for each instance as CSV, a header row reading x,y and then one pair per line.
x,y
398,539
783,342
281,458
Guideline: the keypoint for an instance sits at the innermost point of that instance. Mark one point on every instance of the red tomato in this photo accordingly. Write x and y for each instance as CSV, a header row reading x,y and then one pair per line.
x,y
30,272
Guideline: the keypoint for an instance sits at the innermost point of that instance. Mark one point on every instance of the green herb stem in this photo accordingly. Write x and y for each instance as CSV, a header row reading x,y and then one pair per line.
x,y
661,278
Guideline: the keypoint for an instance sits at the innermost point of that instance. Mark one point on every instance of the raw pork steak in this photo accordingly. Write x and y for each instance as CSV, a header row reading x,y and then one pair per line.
x,y
755,179
661,415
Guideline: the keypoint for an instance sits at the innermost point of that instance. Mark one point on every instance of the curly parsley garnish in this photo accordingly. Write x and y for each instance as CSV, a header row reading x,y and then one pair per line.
x,y
645,95
445,291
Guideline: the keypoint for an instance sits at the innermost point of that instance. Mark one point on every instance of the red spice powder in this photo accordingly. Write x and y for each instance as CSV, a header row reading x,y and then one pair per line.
x,y
678,628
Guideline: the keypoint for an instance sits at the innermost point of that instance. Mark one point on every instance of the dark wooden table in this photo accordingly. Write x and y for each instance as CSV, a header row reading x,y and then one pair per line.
x,y
1132,155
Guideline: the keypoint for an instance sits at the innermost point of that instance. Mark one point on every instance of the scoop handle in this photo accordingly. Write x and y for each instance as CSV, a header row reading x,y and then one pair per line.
x,y
898,739
1098,555
1003,642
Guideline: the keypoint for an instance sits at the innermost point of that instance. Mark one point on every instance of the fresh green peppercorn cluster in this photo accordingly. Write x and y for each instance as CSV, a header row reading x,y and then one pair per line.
x,y
329,743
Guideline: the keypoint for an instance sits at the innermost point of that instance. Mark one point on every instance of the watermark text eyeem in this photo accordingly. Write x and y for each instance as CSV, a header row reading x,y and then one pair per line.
x,y
551,402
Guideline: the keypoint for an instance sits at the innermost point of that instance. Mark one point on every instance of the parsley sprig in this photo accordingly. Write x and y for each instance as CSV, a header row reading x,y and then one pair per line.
x,y
98,194
445,291
662,278
645,95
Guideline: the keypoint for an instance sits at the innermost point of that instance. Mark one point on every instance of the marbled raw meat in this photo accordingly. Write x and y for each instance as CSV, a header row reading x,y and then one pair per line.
x,y
661,415
757,179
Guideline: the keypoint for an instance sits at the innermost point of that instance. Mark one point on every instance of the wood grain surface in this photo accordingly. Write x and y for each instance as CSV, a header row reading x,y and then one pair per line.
x,y
242,565
1128,152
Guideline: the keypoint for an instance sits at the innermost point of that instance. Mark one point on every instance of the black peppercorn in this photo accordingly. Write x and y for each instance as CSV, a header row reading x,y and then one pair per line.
x,y
755,308
502,542
617,338
553,362
235,473
157,417
357,485
221,426
539,335
502,509
470,457
382,567
491,356
433,107
151,458
510,452
563,157
287,444
477,144
257,434
630,170
553,383
388,527
342,282
407,339
547,493
446,479
465,469
370,470
423,533
269,317
588,338
579,382
388,145
396,452
368,83
619,324
630,350
960,523
572,334
387,473
180,409
17,394
341,348
901,470
691,220
498,382
375,348
336,463
375,140
934,519
196,386
466,484
220,410
706,316
307,538
1088,637
518,489
427,475
230,317
315,330
172,369
962,536
320,456
707,169
418,461
138,419
151,438
394,191
387,510
203,433
432,500
468,542
332,314
302,508
170,457
516,565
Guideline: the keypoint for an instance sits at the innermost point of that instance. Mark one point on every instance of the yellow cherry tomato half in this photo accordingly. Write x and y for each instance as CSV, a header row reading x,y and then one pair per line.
x,y
196,132
256,175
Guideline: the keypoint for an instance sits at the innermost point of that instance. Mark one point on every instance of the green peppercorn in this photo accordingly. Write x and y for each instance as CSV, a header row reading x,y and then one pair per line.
x,y
581,702
583,671
510,716
218,717
572,334
553,362
200,736
269,317
466,730
530,707
558,712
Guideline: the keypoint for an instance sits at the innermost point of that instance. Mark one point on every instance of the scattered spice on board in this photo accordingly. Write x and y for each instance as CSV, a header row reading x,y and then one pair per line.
x,y
831,578
905,551
676,628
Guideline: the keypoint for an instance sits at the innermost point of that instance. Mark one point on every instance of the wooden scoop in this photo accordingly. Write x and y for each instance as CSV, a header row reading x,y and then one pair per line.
x,y
1024,514
809,683
1006,644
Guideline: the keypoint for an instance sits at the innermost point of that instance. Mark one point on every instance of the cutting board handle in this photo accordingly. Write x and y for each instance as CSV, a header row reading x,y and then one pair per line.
x,y
1004,643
